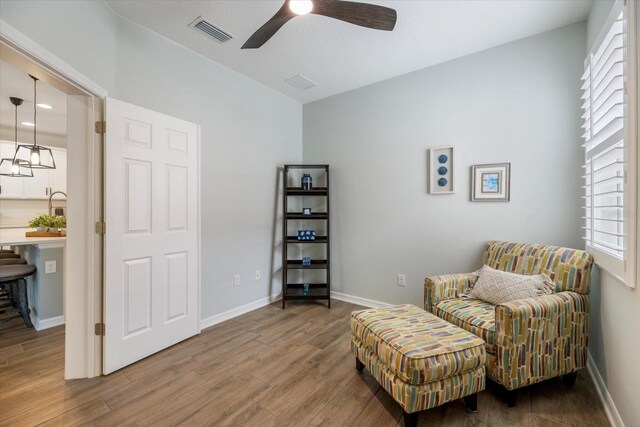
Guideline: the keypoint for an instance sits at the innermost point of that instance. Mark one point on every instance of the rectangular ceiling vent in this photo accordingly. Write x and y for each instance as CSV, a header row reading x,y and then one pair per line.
x,y
211,30
301,82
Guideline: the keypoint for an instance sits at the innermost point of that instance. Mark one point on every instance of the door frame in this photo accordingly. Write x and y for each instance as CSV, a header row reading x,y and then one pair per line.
x,y
82,289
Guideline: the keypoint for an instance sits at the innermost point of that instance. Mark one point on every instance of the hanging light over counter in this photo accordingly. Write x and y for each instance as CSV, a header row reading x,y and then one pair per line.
x,y
11,166
38,156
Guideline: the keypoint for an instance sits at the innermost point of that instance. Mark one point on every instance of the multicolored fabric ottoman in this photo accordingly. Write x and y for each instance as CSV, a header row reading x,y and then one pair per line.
x,y
421,360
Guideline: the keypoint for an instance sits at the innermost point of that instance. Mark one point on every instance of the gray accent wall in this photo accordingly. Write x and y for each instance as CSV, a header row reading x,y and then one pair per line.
x,y
247,131
516,103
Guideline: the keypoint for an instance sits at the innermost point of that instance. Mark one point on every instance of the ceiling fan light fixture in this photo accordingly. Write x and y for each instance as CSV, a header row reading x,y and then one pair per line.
x,y
301,7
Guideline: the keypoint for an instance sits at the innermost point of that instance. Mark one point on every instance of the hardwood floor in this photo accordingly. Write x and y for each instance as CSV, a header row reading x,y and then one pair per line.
x,y
271,367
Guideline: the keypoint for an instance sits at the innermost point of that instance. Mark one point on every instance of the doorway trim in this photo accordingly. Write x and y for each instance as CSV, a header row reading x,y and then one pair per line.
x,y
82,292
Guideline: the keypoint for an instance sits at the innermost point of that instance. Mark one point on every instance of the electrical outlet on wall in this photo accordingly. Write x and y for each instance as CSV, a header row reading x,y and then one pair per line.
x,y
258,275
402,280
50,267
236,280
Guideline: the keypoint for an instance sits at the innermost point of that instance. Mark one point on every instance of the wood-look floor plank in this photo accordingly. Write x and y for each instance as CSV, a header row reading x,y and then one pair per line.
x,y
270,367
63,396
345,407
381,410
79,415
229,402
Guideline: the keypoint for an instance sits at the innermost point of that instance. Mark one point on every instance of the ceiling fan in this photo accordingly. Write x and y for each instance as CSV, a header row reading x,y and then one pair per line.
x,y
363,14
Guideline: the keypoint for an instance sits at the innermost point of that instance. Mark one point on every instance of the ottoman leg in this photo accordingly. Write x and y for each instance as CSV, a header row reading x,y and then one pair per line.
x,y
359,365
471,402
411,420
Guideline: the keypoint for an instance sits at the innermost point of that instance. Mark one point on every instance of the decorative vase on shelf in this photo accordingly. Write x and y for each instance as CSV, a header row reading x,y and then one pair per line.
x,y
305,288
306,235
306,182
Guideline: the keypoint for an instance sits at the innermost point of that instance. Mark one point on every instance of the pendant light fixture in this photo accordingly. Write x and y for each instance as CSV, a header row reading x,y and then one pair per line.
x,y
38,156
10,166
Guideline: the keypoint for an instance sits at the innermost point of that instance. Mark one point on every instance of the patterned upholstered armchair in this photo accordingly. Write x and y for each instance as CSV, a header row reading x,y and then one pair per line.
x,y
528,340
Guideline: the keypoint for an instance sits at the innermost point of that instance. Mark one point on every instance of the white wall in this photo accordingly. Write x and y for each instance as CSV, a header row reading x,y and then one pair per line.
x,y
615,309
248,130
514,103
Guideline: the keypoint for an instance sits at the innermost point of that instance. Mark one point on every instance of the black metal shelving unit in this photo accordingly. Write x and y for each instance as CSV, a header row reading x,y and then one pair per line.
x,y
317,290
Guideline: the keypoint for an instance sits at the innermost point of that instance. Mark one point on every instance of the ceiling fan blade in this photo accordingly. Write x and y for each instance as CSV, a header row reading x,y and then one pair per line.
x,y
264,33
363,14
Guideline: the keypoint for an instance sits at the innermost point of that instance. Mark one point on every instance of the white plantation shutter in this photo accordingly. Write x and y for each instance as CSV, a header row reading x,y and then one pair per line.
x,y
608,196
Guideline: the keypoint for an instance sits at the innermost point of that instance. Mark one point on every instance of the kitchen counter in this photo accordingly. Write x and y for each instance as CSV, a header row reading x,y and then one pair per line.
x,y
16,237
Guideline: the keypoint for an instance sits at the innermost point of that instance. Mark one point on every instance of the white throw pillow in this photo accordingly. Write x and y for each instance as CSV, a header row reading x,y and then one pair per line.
x,y
497,286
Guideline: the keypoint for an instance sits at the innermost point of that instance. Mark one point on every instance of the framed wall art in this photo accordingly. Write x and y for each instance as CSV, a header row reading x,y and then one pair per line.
x,y
491,183
441,176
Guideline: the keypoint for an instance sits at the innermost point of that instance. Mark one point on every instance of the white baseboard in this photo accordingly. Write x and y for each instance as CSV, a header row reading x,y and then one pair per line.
x,y
243,309
238,311
365,302
609,407
41,324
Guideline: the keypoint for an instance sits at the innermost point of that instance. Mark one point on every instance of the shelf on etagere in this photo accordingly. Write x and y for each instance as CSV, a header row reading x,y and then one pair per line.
x,y
314,215
298,191
319,239
316,264
312,293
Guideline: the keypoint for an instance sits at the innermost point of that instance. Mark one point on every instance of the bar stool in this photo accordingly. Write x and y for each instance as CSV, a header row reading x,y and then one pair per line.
x,y
15,276
6,291
12,261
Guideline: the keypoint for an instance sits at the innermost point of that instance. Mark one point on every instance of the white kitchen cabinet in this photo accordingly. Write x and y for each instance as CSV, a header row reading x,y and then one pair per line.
x,y
58,176
38,186
43,182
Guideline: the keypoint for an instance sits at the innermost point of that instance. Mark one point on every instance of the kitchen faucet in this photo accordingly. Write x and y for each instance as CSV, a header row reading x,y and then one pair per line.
x,y
51,195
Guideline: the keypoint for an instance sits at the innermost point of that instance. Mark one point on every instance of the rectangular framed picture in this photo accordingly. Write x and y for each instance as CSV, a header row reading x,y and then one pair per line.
x,y
491,183
442,170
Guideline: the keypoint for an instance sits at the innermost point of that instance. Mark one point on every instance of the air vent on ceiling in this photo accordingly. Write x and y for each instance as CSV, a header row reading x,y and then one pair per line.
x,y
211,30
301,82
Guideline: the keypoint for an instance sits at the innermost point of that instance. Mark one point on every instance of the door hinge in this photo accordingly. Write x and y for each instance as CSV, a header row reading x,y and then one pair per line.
x,y
100,329
101,126
101,227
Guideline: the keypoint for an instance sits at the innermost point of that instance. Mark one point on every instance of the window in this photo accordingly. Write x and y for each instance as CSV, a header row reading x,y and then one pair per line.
x,y
610,150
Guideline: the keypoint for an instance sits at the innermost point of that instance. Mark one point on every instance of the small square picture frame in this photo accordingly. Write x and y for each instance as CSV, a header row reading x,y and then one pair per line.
x,y
306,211
491,182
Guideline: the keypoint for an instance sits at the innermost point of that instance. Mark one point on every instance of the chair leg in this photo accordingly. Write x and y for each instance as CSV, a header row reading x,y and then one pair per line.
x,y
14,292
411,420
471,402
569,379
510,397
23,303
359,365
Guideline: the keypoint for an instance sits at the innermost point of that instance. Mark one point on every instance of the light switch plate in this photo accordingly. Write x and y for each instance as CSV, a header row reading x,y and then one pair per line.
x,y
50,267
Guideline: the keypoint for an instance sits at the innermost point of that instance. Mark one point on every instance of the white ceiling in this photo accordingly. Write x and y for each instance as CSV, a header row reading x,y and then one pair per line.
x,y
51,123
339,56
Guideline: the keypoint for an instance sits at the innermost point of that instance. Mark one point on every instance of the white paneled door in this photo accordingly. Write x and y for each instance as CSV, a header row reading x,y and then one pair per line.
x,y
151,294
